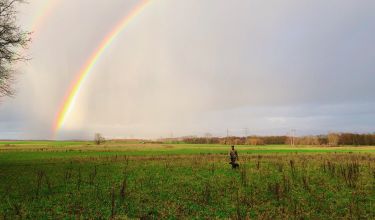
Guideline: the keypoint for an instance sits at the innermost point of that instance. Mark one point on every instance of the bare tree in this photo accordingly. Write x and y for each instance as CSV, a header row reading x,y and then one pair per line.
x,y
208,136
333,139
254,141
99,139
12,39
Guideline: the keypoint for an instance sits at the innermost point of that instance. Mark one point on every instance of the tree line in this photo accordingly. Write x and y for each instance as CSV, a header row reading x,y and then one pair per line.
x,y
331,139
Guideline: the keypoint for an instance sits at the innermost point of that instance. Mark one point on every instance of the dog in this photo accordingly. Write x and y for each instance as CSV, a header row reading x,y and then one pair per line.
x,y
234,165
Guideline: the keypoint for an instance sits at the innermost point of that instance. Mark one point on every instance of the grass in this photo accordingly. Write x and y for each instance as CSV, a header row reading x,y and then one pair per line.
x,y
44,143
119,181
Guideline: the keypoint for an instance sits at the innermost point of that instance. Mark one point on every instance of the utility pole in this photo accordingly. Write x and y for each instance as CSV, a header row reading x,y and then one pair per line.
x,y
246,132
226,139
292,138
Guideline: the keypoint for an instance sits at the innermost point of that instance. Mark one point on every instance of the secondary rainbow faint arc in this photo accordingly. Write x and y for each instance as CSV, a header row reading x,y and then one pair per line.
x,y
76,86
43,14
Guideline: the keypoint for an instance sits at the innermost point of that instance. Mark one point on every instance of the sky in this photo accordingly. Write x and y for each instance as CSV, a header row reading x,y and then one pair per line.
x,y
195,67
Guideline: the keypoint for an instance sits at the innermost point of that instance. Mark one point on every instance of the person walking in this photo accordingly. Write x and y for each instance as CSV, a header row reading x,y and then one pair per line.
x,y
233,157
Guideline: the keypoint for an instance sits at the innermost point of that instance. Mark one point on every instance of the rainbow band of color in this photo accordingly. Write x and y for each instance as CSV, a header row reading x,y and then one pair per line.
x,y
43,14
89,65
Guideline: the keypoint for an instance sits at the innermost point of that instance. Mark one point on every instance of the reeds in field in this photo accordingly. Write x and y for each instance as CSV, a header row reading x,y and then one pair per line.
x,y
280,166
350,173
113,202
286,183
195,186
244,175
305,181
68,174
39,178
123,188
239,215
275,189
292,167
49,183
331,168
212,168
79,179
92,175
207,192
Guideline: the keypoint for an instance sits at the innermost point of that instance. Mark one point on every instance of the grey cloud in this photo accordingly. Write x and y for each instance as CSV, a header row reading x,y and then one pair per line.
x,y
190,67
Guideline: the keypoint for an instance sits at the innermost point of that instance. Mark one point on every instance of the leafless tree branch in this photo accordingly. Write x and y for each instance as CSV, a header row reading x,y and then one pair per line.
x,y
12,39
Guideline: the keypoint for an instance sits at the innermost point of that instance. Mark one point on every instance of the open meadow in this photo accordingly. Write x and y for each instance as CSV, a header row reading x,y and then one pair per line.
x,y
142,109
118,180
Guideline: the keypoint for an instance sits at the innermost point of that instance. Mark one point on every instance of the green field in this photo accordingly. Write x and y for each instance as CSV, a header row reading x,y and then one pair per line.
x,y
119,180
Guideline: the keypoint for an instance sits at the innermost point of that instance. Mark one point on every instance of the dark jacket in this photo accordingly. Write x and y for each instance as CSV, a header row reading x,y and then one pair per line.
x,y
233,155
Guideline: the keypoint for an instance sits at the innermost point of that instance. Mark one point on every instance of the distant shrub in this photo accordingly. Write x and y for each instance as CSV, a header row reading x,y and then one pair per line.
x,y
99,139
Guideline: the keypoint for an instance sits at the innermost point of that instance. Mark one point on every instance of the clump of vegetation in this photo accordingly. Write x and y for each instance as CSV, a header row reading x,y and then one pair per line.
x,y
99,139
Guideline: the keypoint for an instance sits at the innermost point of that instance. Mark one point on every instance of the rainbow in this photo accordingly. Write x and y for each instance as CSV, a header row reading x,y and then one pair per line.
x,y
76,86
43,13
39,19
